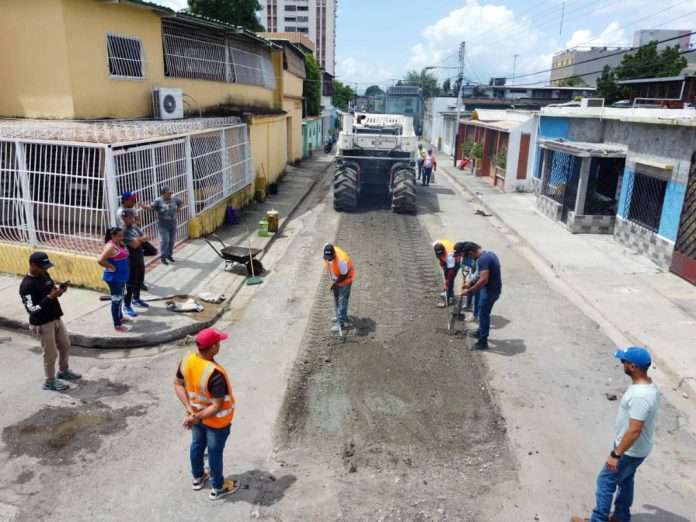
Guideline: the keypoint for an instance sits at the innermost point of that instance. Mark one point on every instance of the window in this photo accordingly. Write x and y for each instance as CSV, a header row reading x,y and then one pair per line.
x,y
646,196
291,19
125,56
303,18
291,8
302,8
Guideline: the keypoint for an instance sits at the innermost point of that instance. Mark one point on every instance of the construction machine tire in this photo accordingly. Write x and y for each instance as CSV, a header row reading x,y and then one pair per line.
x,y
404,192
346,188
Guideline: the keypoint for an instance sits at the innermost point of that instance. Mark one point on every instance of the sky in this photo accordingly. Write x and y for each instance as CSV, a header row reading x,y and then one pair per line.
x,y
378,41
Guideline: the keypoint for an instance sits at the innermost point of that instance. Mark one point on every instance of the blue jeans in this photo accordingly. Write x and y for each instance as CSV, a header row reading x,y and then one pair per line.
x,y
341,298
214,439
608,482
485,308
475,300
116,291
167,238
427,172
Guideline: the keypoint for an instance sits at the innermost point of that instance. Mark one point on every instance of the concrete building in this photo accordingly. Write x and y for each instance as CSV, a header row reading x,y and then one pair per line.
x,y
128,95
521,97
626,172
674,92
569,63
439,122
679,37
505,138
314,18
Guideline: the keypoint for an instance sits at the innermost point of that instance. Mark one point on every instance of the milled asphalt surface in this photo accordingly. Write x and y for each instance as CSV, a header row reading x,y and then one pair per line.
x,y
347,456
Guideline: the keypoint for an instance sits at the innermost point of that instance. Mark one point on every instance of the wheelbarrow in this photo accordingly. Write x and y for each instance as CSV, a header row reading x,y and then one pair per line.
x,y
238,255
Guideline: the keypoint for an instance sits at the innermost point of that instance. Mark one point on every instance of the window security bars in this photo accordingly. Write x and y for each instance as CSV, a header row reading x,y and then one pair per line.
x,y
125,56
646,196
64,195
561,172
188,56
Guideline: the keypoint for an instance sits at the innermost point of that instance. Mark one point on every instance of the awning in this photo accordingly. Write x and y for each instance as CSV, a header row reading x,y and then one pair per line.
x,y
584,149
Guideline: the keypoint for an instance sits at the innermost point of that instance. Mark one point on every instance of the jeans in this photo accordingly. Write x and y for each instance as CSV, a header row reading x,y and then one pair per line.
x,y
475,300
485,308
608,482
116,291
214,439
167,239
420,169
136,277
341,298
427,172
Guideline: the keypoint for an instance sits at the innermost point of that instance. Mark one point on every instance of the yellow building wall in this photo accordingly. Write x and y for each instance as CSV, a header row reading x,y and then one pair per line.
x,y
64,73
292,85
294,128
267,135
35,80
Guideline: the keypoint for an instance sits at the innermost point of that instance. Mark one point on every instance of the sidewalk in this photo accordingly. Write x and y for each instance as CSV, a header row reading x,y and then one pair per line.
x,y
197,269
644,303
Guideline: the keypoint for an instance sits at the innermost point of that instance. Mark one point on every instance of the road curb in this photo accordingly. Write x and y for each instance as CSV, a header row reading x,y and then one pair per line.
x,y
174,334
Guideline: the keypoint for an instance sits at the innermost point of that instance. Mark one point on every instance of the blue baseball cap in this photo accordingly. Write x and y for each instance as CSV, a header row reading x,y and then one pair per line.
x,y
636,355
127,196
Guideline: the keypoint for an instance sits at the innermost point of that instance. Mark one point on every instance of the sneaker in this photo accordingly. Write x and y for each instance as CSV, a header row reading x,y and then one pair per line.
x,y
333,319
164,260
140,303
334,328
171,259
54,385
228,487
199,482
129,310
69,375
480,345
122,328
144,287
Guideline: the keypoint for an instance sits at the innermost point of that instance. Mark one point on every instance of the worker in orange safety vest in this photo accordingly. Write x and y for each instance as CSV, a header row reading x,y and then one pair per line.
x,y
342,273
204,388
449,262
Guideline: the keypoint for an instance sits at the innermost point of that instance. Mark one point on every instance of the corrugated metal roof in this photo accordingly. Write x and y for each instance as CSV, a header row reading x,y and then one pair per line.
x,y
684,117
584,148
652,80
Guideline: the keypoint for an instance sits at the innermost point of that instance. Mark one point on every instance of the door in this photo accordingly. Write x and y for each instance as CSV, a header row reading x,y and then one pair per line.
x,y
684,256
571,189
524,157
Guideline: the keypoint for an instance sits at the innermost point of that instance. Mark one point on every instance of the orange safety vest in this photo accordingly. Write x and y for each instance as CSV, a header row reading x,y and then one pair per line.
x,y
197,372
449,250
335,270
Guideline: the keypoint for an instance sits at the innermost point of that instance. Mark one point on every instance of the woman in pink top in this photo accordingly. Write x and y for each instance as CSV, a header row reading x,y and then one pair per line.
x,y
114,259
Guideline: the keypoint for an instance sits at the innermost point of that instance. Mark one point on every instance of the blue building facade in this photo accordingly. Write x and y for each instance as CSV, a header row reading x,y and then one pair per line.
x,y
617,172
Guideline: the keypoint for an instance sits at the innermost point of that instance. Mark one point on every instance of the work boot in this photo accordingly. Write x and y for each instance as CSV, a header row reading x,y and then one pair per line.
x,y
228,487
164,260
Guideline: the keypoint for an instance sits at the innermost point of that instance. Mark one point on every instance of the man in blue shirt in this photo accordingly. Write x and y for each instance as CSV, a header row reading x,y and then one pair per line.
x,y
490,284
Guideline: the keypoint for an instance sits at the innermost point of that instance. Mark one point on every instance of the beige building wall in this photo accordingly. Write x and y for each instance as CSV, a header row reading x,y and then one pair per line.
x,y
292,104
65,74
267,135
35,79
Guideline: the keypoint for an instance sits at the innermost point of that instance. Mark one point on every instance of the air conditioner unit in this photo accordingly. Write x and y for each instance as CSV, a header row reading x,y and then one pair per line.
x,y
592,102
167,104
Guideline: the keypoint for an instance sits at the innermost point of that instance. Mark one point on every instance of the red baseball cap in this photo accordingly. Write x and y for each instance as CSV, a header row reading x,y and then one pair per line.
x,y
208,337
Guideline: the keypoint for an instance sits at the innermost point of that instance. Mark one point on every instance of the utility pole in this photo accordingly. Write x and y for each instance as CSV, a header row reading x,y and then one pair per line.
x,y
462,53
514,67
560,29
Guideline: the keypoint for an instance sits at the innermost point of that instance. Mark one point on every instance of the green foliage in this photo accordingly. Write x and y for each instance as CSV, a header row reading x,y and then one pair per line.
x,y
646,62
311,90
477,151
425,80
466,147
501,158
236,12
573,81
446,87
342,95
373,90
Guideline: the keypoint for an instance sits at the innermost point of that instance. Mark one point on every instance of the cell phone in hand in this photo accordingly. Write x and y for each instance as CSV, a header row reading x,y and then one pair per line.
x,y
65,285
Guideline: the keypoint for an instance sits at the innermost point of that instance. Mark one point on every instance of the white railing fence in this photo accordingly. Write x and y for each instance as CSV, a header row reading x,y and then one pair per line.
x,y
64,195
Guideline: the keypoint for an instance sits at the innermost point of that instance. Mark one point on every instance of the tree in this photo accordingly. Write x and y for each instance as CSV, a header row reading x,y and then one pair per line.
x,y
573,81
607,87
446,87
235,12
342,95
425,80
311,90
373,90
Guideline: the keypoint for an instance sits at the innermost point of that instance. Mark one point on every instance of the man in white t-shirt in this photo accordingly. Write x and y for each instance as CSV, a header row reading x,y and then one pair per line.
x,y
633,439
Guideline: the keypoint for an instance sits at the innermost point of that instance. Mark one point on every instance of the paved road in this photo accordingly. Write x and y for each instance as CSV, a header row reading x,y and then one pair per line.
x,y
112,449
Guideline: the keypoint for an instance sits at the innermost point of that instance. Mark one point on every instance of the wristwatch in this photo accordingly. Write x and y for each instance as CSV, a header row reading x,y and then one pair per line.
x,y
614,455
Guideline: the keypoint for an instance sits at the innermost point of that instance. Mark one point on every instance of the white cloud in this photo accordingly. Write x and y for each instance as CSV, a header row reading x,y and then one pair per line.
x,y
493,34
177,5
612,36
351,70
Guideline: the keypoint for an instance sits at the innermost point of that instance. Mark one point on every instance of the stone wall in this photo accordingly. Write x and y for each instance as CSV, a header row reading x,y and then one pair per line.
x,y
549,207
644,241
